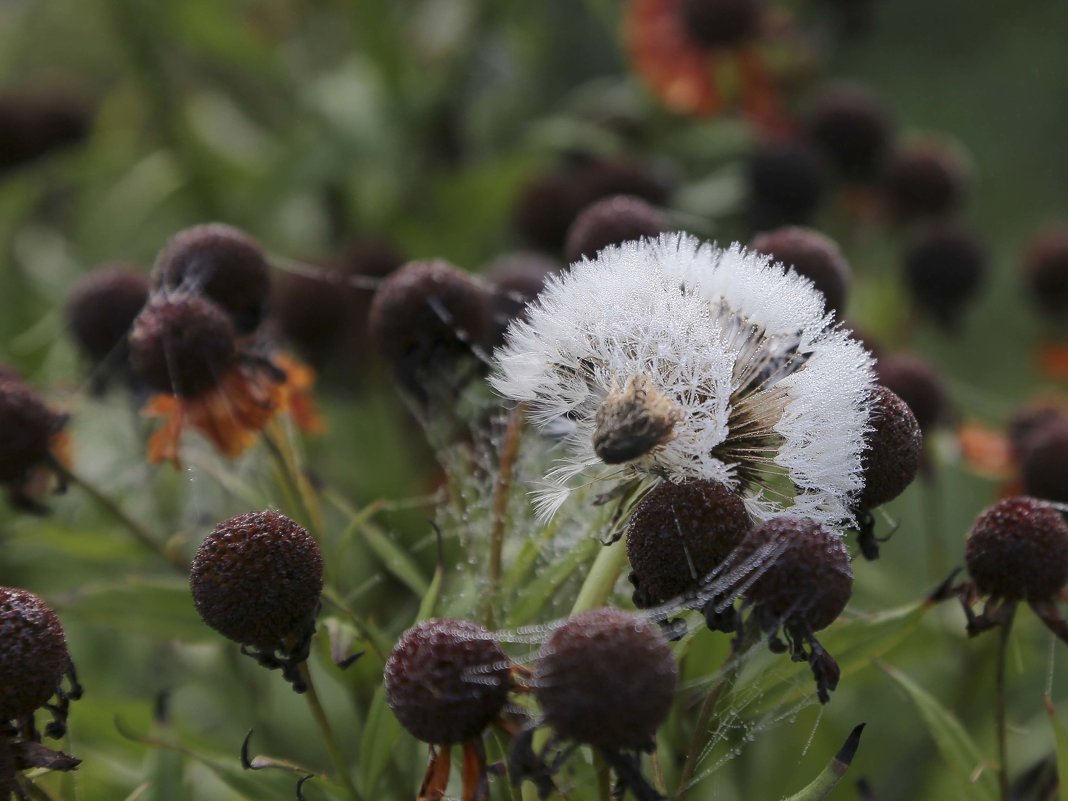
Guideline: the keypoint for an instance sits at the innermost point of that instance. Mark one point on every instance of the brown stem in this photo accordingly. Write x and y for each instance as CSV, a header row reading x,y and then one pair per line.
x,y
501,490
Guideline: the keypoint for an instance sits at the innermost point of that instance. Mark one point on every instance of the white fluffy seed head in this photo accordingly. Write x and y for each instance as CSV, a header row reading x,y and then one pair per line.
x,y
772,399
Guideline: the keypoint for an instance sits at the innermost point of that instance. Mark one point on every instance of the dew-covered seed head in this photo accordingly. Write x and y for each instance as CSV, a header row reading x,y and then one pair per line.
x,y
607,678
256,579
1044,464
33,653
182,344
679,535
1045,271
28,426
446,680
852,129
944,269
916,382
895,449
222,263
803,571
721,23
926,180
612,221
102,307
815,256
1018,550
786,183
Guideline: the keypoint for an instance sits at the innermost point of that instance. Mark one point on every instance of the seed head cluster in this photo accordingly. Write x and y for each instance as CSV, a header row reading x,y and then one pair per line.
x,y
33,653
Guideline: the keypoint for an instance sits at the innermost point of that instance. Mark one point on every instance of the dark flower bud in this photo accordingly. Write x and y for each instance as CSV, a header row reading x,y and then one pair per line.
x,y
102,307
895,448
917,383
1045,271
446,680
1044,465
545,209
222,263
786,183
852,129
256,579
722,23
314,310
182,344
944,268
612,221
680,535
28,426
1018,550
34,125
1030,422
813,255
33,653
926,179
607,678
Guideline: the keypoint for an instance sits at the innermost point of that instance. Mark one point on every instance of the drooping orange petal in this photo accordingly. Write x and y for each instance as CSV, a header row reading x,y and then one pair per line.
x,y
760,98
1053,361
985,451
163,444
300,402
436,779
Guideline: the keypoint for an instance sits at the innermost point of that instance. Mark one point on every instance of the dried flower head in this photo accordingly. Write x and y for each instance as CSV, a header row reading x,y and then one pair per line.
x,y
612,221
33,653
35,124
944,268
813,255
1045,271
926,179
852,129
919,384
674,359
786,183
895,449
515,280
722,23
1030,421
102,307
1044,464
32,443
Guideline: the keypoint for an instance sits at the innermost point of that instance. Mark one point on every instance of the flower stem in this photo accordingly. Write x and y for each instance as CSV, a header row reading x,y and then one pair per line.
x,y
602,577
341,768
281,448
139,532
501,491
999,704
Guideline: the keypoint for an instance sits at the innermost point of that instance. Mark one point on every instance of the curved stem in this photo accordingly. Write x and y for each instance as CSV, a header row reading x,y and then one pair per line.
x,y
999,704
341,768
281,449
602,577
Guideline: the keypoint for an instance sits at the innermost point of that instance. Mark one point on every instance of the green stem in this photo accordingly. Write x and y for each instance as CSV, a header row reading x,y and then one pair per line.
x,y
1000,707
278,443
601,579
501,491
341,767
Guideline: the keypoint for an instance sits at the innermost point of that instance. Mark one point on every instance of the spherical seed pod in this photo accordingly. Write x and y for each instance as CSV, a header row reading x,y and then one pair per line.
x,y
926,179
612,221
35,124
852,129
181,344
786,183
1030,421
1044,466
804,571
33,653
607,678
1018,550
601,178
222,263
515,280
813,255
313,310
446,680
102,307
428,309
28,426
944,268
1045,270
895,448
917,383
545,209
722,23
680,534
256,579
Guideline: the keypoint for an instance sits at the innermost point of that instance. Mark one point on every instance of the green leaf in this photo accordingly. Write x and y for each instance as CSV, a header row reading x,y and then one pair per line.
x,y
532,600
380,735
1060,736
161,608
821,786
392,557
955,745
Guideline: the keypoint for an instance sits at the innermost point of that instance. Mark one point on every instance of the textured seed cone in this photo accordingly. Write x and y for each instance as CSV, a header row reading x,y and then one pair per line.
x,y
1030,422
786,183
944,268
917,383
407,313
446,680
925,180
256,579
1044,466
612,221
1018,550
679,530
806,575
28,426
1045,270
182,344
852,129
515,280
722,23
102,307
606,677
222,263
33,125
33,653
895,448
813,255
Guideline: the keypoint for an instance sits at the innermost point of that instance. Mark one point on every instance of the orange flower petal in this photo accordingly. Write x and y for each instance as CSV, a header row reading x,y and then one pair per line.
x,y
1053,361
985,451
299,400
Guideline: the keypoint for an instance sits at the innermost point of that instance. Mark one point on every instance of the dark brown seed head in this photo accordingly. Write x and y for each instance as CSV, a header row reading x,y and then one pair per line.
x,y
607,678
545,209
313,310
515,280
256,579
722,23
803,571
679,536
1030,421
1045,270
1044,466
34,125
944,268
917,383
28,426
446,680
222,263
601,178
852,129
612,221
182,344
926,179
7,770
786,183
102,307
33,653
813,255
895,448
1018,550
